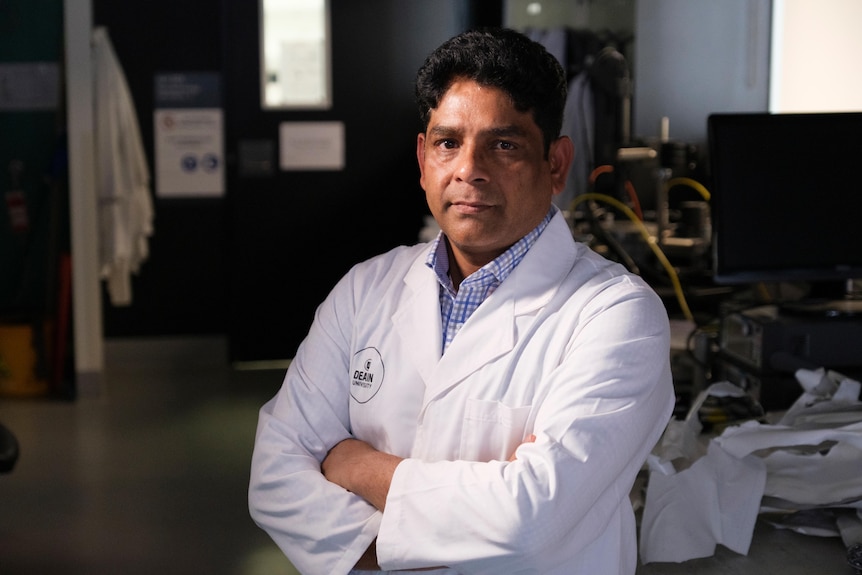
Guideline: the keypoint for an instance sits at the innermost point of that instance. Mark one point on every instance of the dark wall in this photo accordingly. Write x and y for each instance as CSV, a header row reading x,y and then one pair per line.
x,y
180,289
33,206
223,265
292,234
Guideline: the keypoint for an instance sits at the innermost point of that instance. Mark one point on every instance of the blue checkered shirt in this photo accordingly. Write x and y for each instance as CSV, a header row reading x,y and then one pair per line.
x,y
457,307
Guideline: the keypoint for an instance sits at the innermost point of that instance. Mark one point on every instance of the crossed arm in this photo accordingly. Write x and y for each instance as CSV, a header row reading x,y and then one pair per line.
x,y
361,469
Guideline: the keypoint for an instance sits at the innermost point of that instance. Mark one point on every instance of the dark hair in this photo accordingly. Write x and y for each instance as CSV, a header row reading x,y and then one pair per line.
x,y
503,59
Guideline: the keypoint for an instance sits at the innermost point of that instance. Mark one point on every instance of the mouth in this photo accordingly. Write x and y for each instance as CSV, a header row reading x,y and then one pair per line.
x,y
470,207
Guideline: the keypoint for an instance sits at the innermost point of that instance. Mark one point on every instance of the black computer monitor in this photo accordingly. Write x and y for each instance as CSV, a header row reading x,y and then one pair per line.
x,y
786,197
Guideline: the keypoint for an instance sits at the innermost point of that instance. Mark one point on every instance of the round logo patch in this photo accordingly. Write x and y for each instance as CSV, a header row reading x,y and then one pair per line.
x,y
366,374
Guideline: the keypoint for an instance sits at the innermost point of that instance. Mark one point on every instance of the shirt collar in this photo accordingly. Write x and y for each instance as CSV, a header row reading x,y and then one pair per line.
x,y
500,267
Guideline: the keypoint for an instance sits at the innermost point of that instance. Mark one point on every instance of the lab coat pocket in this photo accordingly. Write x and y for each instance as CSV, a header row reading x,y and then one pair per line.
x,y
492,430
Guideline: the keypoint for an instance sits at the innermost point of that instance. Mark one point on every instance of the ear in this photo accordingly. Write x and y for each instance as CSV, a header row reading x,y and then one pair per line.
x,y
560,157
420,157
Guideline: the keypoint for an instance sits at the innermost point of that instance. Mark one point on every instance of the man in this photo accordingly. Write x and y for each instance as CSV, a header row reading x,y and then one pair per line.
x,y
481,403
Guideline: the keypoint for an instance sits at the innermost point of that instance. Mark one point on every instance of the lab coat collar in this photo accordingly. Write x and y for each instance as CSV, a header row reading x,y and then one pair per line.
x,y
491,330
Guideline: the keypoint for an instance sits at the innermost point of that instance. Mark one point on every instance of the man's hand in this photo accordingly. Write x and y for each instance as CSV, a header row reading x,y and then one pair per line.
x,y
529,439
361,469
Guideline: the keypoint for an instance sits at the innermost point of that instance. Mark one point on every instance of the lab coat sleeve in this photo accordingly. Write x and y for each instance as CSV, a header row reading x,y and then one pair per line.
x,y
604,408
321,527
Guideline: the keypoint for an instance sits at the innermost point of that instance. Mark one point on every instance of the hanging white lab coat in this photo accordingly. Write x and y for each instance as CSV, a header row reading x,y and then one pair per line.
x,y
122,175
569,348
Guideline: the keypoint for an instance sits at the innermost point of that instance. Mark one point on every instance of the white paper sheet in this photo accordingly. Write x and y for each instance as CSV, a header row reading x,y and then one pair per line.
x,y
699,497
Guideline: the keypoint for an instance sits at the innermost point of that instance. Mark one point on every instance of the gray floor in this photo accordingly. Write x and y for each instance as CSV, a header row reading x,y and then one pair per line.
x,y
150,478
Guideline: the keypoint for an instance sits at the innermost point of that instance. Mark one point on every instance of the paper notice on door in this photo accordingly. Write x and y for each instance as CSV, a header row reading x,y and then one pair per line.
x,y
189,135
189,148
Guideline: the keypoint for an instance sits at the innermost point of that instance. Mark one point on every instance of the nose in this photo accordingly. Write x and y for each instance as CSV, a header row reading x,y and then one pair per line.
x,y
472,164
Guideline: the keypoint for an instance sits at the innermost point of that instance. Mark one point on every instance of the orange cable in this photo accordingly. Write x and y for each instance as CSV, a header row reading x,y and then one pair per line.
x,y
605,169
633,196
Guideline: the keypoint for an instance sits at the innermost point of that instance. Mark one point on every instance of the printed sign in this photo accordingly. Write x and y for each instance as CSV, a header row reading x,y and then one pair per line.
x,y
189,136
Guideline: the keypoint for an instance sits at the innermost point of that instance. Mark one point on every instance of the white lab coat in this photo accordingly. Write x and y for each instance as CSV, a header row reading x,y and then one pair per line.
x,y
570,348
122,175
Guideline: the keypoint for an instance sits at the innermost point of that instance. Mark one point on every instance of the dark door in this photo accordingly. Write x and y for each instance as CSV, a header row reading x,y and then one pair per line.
x,y
292,234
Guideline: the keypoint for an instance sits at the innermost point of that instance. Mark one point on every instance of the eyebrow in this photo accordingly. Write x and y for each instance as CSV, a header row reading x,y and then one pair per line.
x,y
509,130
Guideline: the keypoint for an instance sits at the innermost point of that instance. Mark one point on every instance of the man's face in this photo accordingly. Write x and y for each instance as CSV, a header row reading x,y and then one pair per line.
x,y
485,175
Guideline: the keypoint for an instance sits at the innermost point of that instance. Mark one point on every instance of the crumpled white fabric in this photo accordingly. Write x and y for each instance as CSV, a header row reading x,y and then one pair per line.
x,y
702,493
804,466
698,494
122,175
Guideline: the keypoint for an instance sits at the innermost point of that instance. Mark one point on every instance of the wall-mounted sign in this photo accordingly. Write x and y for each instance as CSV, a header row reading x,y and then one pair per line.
x,y
29,86
311,146
189,135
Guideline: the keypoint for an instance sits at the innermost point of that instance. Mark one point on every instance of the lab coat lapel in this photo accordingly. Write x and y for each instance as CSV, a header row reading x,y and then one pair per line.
x,y
419,326
492,329
488,334
417,319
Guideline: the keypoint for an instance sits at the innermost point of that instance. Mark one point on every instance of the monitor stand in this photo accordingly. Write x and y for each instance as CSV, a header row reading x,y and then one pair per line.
x,y
824,308
847,305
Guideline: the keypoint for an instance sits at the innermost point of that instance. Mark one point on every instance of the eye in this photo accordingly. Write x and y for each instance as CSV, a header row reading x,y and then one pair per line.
x,y
505,145
447,144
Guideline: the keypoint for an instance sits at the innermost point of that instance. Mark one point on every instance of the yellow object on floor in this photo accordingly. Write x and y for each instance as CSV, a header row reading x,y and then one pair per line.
x,y
18,363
